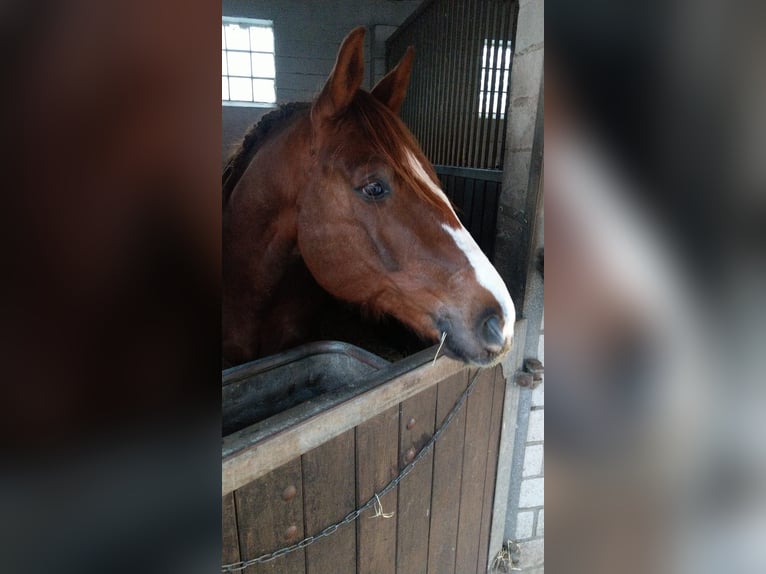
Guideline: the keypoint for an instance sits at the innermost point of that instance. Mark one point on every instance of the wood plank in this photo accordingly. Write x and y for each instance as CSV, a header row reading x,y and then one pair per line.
x,y
468,199
270,516
377,446
459,196
450,185
477,428
416,426
329,495
444,183
493,446
478,207
495,175
489,219
230,542
256,460
448,466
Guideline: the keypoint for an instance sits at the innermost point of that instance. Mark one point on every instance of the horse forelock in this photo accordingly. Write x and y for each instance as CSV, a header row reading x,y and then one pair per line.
x,y
395,145
254,139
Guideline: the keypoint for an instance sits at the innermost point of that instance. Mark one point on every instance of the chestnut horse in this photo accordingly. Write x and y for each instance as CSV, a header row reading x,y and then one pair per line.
x,y
337,196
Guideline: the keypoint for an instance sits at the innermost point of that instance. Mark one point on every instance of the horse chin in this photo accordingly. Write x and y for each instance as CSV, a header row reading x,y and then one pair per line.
x,y
474,357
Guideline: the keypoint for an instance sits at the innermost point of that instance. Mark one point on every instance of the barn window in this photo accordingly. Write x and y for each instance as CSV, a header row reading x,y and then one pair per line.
x,y
495,75
248,71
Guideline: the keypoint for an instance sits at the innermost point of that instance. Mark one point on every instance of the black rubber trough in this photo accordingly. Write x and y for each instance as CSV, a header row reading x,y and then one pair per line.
x,y
261,389
266,396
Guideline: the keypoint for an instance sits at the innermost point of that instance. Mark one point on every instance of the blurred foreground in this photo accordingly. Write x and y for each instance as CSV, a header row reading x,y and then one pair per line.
x,y
110,337
655,205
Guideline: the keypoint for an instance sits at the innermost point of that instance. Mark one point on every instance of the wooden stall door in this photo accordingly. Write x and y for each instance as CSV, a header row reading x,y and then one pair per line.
x,y
436,521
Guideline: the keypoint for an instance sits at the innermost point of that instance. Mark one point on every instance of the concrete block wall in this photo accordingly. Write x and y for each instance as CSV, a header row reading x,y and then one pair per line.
x,y
306,40
521,145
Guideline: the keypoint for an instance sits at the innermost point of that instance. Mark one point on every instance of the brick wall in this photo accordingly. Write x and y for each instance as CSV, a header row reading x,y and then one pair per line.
x,y
530,515
518,540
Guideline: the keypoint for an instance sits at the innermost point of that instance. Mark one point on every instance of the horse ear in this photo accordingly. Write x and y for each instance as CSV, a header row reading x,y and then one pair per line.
x,y
392,88
345,78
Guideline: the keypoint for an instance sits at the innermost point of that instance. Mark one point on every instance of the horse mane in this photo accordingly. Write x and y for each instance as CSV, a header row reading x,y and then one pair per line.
x,y
383,130
252,142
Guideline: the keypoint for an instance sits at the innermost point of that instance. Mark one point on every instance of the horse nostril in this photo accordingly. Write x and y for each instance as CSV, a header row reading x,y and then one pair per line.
x,y
492,333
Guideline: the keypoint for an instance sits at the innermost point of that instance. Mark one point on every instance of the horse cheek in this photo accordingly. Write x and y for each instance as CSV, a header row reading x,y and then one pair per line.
x,y
317,253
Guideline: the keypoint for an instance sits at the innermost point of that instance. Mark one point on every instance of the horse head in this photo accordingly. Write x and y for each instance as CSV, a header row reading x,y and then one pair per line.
x,y
374,227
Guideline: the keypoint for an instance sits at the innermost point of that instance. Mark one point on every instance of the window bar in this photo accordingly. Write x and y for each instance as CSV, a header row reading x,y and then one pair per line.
x,y
457,93
414,121
491,95
514,22
228,65
458,15
446,95
495,87
475,89
430,65
505,86
250,63
485,112
484,90
415,100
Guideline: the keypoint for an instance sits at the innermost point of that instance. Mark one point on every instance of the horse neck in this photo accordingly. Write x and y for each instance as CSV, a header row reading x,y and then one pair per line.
x,y
260,219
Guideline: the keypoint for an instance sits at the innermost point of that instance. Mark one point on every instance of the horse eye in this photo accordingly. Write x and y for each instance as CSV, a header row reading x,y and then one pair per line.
x,y
373,190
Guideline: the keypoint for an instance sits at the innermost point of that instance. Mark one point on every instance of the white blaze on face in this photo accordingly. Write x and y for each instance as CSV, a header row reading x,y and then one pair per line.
x,y
417,167
486,274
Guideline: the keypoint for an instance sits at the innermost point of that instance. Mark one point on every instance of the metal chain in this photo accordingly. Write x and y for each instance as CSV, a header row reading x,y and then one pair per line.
x,y
507,559
353,515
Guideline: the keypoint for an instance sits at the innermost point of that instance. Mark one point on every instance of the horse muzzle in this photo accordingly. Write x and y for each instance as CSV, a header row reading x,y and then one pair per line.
x,y
481,341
